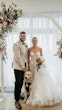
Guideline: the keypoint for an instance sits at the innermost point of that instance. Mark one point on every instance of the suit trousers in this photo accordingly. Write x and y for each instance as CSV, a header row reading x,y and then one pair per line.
x,y
19,76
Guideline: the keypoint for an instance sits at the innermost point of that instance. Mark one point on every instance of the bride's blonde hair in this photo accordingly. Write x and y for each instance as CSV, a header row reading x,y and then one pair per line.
x,y
34,38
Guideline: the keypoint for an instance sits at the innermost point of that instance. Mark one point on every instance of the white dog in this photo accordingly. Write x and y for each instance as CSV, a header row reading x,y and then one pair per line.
x,y
28,78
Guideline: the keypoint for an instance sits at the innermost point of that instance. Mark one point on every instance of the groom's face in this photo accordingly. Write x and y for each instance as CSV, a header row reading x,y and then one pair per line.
x,y
22,37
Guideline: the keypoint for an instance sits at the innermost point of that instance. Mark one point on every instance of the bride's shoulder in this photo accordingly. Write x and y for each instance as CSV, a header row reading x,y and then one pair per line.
x,y
29,49
39,48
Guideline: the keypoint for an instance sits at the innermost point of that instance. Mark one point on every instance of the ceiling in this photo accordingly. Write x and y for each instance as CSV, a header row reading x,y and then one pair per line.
x,y
37,5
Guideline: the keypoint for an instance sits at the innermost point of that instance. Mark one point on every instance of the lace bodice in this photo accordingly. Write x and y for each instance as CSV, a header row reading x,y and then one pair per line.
x,y
33,56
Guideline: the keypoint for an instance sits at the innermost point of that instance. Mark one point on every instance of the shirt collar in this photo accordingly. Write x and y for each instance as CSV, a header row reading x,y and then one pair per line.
x,y
23,43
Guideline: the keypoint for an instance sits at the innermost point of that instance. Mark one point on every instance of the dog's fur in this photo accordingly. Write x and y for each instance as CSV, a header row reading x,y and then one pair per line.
x,y
28,78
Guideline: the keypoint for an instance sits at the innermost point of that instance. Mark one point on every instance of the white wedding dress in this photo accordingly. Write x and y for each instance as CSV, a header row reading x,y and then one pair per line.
x,y
44,91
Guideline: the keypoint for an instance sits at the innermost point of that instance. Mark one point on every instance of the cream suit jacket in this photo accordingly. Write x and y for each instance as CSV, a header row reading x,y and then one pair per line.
x,y
20,55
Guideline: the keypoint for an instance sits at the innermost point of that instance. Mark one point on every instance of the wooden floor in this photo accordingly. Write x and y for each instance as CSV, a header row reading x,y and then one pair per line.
x,y
8,104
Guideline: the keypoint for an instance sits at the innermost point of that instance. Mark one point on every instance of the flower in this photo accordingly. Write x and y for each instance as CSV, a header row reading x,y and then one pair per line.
x,y
59,52
26,45
39,61
58,42
2,42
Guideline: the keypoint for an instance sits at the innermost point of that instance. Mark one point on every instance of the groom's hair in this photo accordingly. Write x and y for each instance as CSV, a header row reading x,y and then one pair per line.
x,y
23,32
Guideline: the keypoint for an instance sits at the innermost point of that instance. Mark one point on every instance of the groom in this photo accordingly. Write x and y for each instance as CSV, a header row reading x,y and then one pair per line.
x,y
19,65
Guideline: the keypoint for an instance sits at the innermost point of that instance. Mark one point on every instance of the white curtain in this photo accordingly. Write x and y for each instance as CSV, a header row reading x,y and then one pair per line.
x,y
47,34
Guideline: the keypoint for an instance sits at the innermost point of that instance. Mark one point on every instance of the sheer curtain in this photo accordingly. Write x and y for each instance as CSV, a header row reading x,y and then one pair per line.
x,y
47,34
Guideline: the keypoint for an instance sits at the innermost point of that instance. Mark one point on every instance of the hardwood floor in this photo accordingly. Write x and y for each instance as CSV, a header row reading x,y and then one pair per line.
x,y
8,104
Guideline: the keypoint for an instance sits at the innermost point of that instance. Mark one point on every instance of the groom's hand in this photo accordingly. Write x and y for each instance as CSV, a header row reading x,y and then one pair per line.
x,y
24,70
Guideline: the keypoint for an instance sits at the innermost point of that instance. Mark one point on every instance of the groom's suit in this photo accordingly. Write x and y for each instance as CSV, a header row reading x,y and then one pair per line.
x,y
19,62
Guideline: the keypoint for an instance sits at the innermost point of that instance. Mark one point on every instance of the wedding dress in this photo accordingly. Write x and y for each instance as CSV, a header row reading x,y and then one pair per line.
x,y
44,91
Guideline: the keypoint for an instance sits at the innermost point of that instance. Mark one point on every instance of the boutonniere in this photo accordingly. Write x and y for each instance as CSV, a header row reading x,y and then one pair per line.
x,y
26,45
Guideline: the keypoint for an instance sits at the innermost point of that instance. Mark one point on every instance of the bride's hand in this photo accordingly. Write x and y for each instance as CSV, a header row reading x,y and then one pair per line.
x,y
24,70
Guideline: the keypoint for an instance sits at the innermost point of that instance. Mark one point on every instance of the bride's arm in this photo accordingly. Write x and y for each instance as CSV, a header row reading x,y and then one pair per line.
x,y
42,54
28,59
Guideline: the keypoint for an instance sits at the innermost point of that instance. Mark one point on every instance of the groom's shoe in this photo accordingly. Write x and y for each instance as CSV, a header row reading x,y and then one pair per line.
x,y
18,106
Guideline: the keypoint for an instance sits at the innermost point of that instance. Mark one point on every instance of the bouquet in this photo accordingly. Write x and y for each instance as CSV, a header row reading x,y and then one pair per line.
x,y
8,17
39,61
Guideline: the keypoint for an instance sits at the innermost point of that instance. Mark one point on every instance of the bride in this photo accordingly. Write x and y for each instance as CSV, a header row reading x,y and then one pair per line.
x,y
44,91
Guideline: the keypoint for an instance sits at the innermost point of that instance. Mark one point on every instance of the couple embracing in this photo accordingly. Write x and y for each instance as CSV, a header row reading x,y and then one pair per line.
x,y
44,91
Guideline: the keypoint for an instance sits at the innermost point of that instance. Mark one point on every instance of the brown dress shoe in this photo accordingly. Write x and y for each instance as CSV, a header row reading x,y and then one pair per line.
x,y
18,106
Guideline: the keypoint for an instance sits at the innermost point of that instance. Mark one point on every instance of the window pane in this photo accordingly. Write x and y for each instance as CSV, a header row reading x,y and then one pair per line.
x,y
37,23
24,23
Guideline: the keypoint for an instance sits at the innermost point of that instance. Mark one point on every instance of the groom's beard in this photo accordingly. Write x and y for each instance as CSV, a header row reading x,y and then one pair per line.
x,y
22,40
